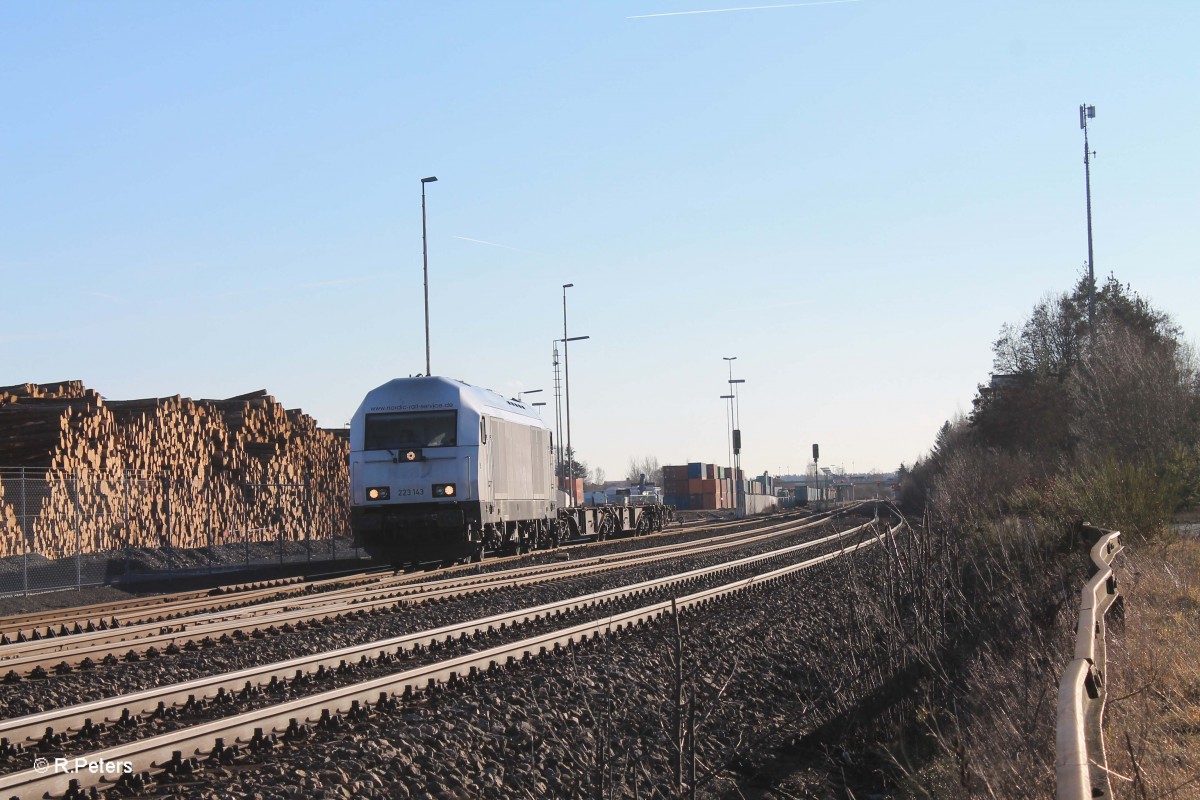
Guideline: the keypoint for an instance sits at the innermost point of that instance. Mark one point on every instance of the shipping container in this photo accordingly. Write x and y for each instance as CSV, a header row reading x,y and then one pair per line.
x,y
675,473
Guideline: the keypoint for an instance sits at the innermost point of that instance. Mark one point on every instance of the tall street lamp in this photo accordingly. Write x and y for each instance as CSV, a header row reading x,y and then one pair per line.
x,y
737,447
425,259
569,454
729,428
558,415
1087,112
567,386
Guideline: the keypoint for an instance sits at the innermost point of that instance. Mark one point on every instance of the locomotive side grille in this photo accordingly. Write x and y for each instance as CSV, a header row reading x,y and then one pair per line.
x,y
520,460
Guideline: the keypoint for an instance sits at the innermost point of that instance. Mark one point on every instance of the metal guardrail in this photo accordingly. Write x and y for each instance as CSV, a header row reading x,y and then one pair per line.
x,y
1080,763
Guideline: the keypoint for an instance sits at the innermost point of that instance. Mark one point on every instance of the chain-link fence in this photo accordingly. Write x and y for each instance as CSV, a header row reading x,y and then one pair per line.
x,y
61,530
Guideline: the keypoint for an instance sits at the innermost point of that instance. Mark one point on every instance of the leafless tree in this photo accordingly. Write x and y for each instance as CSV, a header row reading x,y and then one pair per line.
x,y
648,466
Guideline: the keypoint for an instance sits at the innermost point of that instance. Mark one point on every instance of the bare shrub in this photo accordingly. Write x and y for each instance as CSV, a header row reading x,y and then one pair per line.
x,y
975,483
1134,398
998,608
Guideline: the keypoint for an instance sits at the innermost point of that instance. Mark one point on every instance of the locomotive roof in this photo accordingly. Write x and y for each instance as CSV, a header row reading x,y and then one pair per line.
x,y
423,393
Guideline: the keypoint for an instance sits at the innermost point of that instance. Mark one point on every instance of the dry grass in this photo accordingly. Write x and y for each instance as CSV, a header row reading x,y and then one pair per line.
x,y
1152,730
987,729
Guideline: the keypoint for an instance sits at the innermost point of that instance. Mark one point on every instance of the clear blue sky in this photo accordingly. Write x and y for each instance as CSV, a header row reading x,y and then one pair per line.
x,y
208,198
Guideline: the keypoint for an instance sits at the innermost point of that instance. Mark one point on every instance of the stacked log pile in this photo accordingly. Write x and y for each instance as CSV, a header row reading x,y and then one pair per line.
x,y
100,475
10,531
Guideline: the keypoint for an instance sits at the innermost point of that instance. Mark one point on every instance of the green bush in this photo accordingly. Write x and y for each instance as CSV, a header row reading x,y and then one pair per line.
x,y
1134,499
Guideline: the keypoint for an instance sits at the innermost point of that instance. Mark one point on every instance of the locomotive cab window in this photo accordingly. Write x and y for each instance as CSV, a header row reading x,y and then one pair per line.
x,y
412,429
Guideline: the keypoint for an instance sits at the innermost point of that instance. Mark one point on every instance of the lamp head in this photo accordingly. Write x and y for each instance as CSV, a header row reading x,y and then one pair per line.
x,y
430,179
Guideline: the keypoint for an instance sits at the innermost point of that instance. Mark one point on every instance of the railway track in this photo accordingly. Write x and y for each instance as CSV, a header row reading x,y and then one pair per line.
x,y
160,609
179,752
64,654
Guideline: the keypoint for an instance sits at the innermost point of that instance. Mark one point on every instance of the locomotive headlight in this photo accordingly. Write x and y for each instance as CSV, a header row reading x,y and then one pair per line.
x,y
379,493
444,490
411,455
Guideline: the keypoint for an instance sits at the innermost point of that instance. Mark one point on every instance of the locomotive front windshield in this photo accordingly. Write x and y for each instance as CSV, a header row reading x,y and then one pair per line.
x,y
412,429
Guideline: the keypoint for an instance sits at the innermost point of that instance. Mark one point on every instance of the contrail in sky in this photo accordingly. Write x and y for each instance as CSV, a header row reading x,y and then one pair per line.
x,y
493,244
743,8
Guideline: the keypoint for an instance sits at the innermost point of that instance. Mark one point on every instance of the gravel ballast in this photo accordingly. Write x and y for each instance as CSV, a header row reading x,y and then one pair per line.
x,y
598,721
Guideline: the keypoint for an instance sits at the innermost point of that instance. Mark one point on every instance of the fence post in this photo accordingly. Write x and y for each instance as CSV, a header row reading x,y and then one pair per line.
x,y
166,481
24,536
334,533
78,539
282,534
246,520
125,518
307,516
208,526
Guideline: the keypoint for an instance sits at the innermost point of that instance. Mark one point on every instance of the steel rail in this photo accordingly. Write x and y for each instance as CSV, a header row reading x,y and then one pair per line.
x,y
49,654
155,752
26,729
33,654
160,609
1080,761
140,609
26,622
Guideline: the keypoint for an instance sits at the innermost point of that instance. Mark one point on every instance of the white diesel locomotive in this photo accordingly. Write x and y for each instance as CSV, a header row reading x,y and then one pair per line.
x,y
442,470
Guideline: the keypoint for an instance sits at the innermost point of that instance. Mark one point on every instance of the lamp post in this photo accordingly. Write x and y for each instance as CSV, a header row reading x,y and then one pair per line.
x,y
569,454
729,436
1087,112
521,394
558,415
737,447
570,457
729,428
425,259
